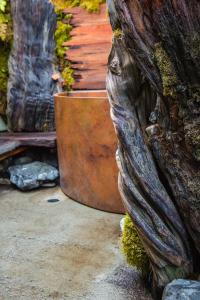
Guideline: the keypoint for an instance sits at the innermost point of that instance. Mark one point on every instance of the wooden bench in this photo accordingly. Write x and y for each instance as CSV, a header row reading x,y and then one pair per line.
x,y
14,143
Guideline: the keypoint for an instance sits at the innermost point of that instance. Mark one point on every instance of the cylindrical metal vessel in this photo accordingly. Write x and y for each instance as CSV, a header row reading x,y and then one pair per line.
x,y
86,149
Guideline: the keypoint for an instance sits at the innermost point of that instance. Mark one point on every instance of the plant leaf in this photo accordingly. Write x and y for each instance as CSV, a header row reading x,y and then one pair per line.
x,y
3,5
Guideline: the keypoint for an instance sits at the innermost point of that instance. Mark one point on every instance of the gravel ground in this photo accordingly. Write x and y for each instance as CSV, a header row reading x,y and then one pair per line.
x,y
61,250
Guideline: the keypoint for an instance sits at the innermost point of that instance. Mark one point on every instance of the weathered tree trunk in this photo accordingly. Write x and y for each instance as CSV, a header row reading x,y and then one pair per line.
x,y
31,66
154,91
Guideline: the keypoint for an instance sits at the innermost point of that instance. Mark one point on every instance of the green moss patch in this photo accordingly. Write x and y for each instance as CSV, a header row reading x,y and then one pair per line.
x,y
193,45
90,5
5,46
167,71
133,248
62,35
4,54
5,21
118,33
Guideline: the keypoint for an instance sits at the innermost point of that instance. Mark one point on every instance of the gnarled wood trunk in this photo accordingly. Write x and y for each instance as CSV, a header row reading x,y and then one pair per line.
x,y
154,91
31,66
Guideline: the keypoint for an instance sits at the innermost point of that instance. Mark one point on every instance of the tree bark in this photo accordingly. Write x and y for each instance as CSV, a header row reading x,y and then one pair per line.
x,y
31,66
154,90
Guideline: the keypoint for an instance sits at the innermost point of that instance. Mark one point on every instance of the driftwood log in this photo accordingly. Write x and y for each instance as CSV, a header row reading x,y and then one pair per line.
x,y
31,66
154,92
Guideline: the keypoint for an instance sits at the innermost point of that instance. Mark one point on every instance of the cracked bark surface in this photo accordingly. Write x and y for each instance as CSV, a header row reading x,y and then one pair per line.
x,y
153,84
31,66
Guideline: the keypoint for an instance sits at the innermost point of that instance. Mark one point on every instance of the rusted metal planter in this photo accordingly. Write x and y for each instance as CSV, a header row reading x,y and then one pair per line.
x,y
86,149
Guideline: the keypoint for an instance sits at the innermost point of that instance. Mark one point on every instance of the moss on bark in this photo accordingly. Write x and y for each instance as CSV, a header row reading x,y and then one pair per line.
x,y
133,248
5,46
167,71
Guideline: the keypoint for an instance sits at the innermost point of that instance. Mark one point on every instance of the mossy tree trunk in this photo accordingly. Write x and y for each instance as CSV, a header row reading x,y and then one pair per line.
x,y
154,91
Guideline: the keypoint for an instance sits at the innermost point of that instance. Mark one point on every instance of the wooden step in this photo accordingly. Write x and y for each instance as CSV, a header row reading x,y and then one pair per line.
x,y
14,143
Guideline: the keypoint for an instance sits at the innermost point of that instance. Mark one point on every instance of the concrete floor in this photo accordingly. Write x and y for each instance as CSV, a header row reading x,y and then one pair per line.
x,y
61,250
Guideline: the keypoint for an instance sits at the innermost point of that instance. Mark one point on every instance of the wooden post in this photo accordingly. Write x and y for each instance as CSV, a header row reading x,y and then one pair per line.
x,y
31,66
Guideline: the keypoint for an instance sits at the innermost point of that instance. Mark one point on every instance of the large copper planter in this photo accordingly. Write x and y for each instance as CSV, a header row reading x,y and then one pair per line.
x,y
86,149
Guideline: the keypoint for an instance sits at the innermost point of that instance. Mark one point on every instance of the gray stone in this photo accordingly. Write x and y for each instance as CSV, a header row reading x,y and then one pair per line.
x,y
181,289
33,175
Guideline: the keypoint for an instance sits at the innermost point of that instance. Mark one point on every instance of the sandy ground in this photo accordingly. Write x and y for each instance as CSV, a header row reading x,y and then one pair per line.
x,y
61,250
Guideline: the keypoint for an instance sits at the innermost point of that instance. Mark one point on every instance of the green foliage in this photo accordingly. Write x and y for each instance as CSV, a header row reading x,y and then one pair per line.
x,y
167,71
62,35
133,248
4,54
67,75
90,5
118,33
3,67
5,21
3,4
5,46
